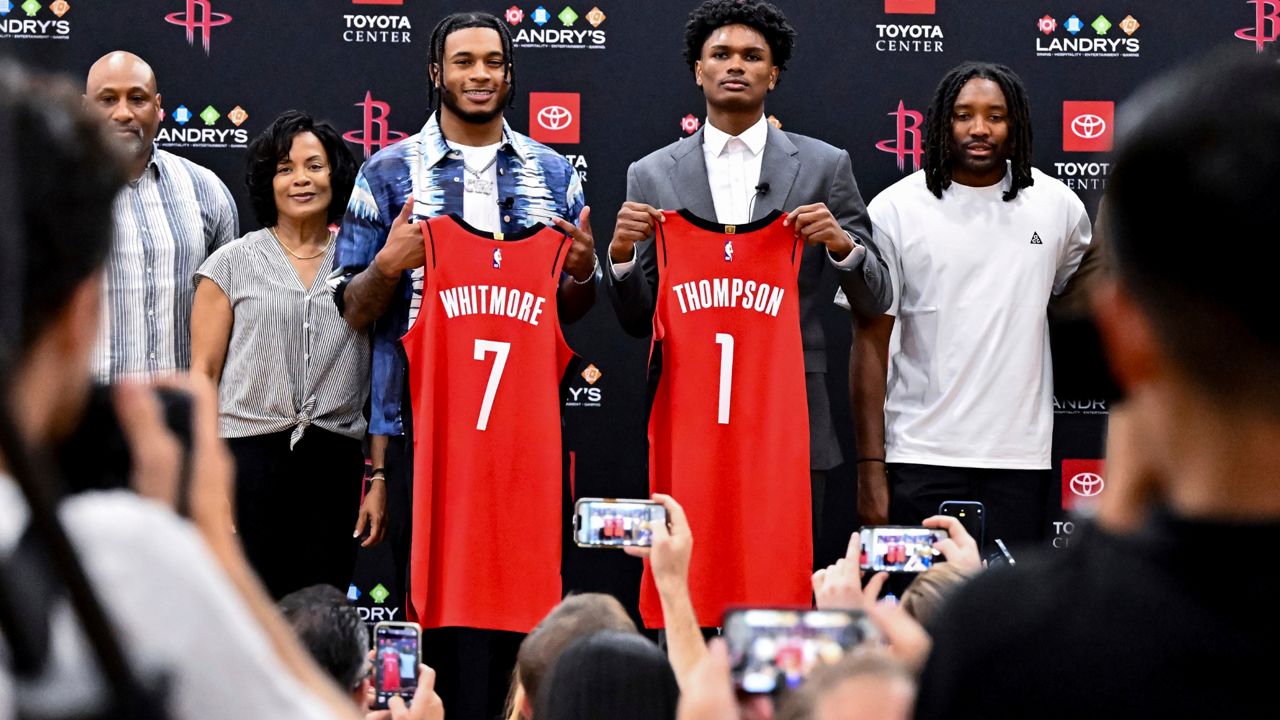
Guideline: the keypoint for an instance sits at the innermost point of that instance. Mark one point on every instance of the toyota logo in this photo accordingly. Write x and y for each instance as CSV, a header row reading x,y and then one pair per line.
x,y
554,117
1088,126
1087,484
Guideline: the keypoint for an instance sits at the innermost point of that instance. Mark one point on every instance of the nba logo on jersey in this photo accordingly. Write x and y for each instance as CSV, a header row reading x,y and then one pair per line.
x,y
728,250
497,258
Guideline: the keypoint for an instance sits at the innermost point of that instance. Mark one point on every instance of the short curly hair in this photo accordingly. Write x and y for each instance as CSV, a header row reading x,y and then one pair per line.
x,y
273,145
763,17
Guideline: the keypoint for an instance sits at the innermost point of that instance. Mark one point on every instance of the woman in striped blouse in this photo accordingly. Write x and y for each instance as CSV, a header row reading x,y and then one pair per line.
x,y
292,375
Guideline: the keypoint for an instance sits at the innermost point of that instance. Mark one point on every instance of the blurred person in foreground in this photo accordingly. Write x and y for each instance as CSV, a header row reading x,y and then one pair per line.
x,y
621,676
110,604
576,616
1130,624
863,685
292,375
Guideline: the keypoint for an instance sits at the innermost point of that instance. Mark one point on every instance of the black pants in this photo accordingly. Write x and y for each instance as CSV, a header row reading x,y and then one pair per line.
x,y
296,509
1013,500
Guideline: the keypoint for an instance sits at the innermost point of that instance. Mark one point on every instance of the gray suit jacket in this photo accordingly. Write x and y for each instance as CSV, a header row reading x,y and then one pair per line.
x,y
799,170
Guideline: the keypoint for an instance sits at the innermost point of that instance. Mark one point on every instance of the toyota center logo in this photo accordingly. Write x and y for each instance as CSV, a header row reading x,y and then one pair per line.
x,y
1082,482
1087,484
1088,125
554,117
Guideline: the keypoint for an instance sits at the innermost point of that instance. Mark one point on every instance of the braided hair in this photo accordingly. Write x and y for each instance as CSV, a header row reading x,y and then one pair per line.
x,y
462,21
937,142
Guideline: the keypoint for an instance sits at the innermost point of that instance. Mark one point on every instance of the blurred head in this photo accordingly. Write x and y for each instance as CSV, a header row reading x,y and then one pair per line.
x,y
930,590
299,168
472,68
333,633
58,180
121,90
864,685
621,676
1168,324
737,50
575,617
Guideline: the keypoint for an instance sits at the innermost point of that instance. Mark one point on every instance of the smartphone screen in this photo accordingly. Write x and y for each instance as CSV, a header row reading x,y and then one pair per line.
x,y
395,661
616,523
897,548
772,649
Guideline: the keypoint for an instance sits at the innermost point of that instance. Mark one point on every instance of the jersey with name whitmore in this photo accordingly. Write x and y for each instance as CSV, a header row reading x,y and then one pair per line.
x,y
970,374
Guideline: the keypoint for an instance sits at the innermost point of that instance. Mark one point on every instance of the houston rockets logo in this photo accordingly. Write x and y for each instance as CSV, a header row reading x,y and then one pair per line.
x,y
1266,24
908,129
200,16
374,134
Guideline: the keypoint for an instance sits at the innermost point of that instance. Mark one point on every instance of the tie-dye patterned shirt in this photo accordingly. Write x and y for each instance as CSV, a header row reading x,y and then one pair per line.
x,y
535,185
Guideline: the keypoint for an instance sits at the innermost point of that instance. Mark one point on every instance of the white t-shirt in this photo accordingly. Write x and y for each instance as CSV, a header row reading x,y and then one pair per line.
x,y
480,209
970,375
176,614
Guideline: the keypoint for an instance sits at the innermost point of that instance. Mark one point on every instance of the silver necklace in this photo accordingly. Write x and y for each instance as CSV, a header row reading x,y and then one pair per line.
x,y
476,184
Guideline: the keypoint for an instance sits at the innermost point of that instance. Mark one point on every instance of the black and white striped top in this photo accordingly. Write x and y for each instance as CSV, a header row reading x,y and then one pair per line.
x,y
292,360
165,224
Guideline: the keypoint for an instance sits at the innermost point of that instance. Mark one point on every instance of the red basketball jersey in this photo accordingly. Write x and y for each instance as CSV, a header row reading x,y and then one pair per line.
x,y
729,427
486,358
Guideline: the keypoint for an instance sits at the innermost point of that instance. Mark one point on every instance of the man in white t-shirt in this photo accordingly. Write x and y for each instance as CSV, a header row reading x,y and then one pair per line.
x,y
976,243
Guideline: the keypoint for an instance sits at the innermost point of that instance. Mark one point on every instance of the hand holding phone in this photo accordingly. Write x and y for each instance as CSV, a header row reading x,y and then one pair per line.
x,y
396,655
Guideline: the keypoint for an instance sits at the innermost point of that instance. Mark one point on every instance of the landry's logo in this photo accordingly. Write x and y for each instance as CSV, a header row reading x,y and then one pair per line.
x,y
369,27
200,16
1266,24
906,142
1087,125
203,127
1075,41
589,396
565,28
554,117
374,134
26,21
690,124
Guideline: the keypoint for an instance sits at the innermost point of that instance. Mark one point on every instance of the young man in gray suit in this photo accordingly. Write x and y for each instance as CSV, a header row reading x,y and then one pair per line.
x,y
739,168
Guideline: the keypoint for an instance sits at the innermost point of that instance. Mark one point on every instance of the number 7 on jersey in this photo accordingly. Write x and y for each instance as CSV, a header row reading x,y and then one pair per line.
x,y
500,350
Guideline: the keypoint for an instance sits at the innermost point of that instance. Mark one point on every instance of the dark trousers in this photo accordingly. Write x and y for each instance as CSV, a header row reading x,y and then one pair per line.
x,y
1013,500
296,509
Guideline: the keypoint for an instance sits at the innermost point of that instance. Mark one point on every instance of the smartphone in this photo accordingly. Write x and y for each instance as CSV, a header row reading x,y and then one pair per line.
x,y
395,661
1001,556
971,515
607,522
772,649
900,548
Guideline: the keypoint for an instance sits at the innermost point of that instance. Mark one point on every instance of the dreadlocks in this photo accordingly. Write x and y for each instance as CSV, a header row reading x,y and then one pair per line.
x,y
461,21
937,144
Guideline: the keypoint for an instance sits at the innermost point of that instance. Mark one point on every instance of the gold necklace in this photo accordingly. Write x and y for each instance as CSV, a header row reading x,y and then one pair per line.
x,y
287,249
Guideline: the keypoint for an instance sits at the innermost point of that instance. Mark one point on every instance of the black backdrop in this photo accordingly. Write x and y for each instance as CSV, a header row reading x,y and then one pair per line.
x,y
862,74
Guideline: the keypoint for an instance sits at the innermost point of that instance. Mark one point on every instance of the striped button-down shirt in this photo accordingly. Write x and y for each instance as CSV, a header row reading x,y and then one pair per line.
x,y
535,184
292,361
166,223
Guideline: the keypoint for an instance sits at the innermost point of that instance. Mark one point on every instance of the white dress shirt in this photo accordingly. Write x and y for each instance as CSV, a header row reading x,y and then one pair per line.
x,y
733,172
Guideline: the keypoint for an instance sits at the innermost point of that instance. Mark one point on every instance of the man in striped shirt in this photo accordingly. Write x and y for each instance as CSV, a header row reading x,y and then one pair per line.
x,y
169,217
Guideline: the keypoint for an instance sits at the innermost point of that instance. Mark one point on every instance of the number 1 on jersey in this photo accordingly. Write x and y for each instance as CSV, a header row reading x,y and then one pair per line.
x,y
725,341
500,350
